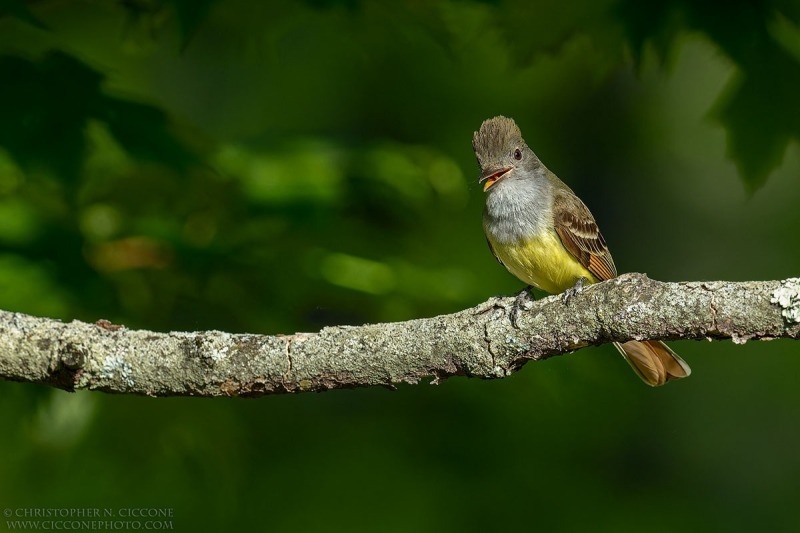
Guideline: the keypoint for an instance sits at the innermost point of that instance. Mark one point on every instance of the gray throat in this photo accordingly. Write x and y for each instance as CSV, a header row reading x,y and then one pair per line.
x,y
517,209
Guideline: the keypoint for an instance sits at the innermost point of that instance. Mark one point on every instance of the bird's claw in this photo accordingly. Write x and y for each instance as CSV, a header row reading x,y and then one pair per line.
x,y
523,302
570,293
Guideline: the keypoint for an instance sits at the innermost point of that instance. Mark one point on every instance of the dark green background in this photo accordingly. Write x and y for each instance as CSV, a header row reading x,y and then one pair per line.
x,y
274,167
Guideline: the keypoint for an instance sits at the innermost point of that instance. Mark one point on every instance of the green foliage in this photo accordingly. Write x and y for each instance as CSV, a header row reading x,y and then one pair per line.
x,y
272,167
763,40
42,132
39,129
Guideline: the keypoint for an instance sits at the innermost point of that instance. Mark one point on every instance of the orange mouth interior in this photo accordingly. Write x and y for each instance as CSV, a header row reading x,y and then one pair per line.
x,y
491,180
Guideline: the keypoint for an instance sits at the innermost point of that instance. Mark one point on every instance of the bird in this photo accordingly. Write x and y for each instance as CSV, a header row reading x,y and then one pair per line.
x,y
545,235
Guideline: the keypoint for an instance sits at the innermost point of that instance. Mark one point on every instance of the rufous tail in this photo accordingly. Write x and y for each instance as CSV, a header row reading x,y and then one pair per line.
x,y
653,361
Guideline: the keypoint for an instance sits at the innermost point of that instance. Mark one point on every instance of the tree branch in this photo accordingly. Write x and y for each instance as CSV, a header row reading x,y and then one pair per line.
x,y
477,342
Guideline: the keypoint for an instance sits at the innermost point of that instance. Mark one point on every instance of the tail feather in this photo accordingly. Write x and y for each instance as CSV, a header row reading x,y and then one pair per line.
x,y
653,361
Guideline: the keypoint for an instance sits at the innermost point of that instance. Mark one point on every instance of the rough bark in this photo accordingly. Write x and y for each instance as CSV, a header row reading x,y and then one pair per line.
x,y
477,342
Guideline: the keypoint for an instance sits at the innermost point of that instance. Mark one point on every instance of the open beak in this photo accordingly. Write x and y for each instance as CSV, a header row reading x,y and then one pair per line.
x,y
492,176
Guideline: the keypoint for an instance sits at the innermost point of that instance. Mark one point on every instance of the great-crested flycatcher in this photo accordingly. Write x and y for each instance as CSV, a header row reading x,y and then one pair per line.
x,y
543,234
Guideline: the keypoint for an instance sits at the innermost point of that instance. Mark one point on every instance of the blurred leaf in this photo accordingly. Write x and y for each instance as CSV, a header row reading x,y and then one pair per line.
x,y
29,287
759,128
307,171
551,25
39,129
762,40
358,273
787,34
18,221
150,16
756,107
657,23
63,419
145,132
145,18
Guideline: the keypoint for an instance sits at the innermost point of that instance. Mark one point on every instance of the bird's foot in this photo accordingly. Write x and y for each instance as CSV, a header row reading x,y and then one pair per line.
x,y
572,292
523,302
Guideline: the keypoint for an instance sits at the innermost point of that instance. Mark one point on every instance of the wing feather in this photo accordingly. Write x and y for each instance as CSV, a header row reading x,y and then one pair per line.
x,y
491,249
580,235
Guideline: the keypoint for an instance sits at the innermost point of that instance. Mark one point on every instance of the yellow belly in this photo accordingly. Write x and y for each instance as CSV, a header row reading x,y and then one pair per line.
x,y
542,262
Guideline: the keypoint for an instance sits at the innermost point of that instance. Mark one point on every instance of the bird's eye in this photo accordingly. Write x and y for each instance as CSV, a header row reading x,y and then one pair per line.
x,y
517,154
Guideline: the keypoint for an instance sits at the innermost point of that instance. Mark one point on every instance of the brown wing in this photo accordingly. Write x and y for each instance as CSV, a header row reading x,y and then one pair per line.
x,y
580,235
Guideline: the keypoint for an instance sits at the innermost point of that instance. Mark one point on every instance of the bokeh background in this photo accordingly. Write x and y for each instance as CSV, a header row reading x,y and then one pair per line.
x,y
273,167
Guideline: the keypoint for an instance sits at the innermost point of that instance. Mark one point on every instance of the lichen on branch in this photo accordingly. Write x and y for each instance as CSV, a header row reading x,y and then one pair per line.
x,y
477,342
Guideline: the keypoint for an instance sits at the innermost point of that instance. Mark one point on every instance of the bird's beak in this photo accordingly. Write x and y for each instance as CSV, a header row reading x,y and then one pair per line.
x,y
490,176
